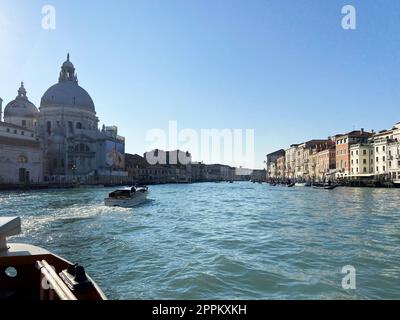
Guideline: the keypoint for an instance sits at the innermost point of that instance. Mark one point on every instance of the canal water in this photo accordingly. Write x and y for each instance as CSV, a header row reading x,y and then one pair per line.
x,y
222,241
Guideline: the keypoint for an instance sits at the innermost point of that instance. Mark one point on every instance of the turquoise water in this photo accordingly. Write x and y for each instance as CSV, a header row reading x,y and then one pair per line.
x,y
222,241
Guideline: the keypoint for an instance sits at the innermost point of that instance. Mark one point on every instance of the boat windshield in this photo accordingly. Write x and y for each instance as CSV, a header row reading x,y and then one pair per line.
x,y
121,193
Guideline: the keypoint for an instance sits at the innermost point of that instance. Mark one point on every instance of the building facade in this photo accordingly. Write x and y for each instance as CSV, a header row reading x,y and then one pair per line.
x,y
290,161
343,144
271,163
73,145
21,155
361,160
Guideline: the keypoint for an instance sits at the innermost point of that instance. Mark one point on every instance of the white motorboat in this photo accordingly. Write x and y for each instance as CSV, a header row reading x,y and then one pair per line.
x,y
303,184
300,184
127,197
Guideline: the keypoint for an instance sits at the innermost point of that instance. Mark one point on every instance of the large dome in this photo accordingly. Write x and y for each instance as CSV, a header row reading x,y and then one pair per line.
x,y
21,106
67,92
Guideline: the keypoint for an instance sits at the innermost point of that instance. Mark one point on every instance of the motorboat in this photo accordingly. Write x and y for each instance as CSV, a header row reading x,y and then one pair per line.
x,y
291,185
300,184
31,273
303,184
127,197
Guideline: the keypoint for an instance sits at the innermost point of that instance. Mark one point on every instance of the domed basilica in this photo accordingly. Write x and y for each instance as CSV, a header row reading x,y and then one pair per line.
x,y
63,135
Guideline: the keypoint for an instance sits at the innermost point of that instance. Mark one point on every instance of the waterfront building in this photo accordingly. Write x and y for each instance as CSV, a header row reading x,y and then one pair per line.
x,y
343,144
199,172
290,161
177,165
326,163
313,164
272,172
281,167
259,175
73,145
362,160
219,172
271,162
394,161
304,170
20,150
385,147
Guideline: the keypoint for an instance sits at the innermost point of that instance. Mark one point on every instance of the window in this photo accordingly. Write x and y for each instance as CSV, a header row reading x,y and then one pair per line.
x,y
22,133
383,148
364,161
22,159
384,158
70,127
8,130
377,149
48,127
24,123
390,164
356,152
384,168
365,170
15,132
364,152
79,125
377,159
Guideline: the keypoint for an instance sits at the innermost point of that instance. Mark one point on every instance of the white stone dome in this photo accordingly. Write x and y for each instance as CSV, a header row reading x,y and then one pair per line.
x,y
21,106
67,92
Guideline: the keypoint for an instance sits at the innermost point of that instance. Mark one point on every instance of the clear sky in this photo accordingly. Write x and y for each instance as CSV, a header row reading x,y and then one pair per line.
x,y
286,69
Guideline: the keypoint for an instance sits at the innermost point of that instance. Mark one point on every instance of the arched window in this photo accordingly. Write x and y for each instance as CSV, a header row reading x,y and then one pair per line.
x,y
79,125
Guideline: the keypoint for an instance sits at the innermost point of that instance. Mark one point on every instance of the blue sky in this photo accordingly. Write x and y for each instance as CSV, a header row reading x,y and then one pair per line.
x,y
286,69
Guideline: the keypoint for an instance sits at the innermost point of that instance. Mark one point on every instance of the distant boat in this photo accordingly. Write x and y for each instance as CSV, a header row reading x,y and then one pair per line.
x,y
127,197
290,185
325,187
303,184
300,184
31,273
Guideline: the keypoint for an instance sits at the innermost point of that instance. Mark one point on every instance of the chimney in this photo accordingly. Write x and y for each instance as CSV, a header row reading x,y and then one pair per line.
x,y
1,109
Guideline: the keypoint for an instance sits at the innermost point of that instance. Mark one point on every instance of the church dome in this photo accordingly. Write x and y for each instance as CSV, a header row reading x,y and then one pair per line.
x,y
67,92
21,106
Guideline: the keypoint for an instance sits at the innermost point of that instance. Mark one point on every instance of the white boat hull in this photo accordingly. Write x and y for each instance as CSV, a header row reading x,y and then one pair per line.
x,y
137,199
300,184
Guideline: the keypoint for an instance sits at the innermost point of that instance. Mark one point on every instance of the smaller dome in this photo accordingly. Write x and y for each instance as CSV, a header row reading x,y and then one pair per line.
x,y
21,106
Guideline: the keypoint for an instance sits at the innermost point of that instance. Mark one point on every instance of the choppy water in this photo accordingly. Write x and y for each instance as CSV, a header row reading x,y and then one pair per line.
x,y
222,241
